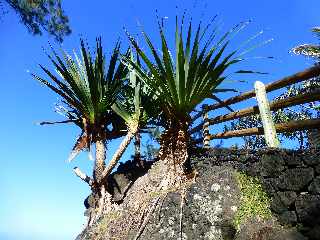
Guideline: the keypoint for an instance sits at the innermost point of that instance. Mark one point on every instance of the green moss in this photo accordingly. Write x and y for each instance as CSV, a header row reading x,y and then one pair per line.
x,y
102,226
254,200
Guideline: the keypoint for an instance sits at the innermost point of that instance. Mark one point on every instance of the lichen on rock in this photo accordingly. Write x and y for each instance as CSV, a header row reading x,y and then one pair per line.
x,y
230,199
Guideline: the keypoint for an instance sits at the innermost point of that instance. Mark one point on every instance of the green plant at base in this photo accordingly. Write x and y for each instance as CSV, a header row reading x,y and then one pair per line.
x,y
184,77
254,200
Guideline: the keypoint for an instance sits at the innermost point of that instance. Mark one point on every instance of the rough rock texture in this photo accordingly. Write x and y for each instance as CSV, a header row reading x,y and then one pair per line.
x,y
291,178
205,207
207,213
267,230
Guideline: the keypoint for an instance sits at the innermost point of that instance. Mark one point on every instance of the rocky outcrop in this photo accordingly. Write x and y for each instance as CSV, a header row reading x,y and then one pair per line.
x,y
291,179
217,204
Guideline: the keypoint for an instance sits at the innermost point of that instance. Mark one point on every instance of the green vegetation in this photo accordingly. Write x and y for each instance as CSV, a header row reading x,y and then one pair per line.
x,y
149,88
88,90
42,15
101,228
136,106
185,81
309,50
254,200
133,94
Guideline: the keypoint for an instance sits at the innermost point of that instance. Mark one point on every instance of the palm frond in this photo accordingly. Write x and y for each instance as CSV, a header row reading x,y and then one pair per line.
x,y
197,70
135,103
87,88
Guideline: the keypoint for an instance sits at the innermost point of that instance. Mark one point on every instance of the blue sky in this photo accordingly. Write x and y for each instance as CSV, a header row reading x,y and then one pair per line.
x,y
40,196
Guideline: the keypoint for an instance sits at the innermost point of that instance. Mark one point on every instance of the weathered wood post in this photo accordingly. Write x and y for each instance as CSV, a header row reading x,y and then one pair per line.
x,y
205,129
266,116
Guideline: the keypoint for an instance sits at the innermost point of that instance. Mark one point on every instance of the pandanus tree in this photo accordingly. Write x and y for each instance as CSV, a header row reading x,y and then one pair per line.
x,y
182,83
88,90
136,106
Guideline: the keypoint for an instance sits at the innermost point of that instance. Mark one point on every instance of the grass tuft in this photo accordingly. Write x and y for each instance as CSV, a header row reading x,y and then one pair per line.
x,y
254,200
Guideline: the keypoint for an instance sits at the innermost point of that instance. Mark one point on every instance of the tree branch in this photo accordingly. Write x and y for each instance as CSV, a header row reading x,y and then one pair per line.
x,y
117,155
83,176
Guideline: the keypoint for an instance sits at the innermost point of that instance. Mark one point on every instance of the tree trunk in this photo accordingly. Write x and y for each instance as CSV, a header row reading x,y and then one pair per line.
x,y
99,165
137,148
116,157
174,151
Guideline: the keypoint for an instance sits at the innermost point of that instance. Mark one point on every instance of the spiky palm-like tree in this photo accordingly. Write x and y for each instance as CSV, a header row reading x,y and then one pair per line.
x,y
182,83
136,107
88,90
309,50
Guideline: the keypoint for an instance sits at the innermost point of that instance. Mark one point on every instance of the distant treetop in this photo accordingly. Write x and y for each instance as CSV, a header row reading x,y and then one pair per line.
x,y
42,15
309,50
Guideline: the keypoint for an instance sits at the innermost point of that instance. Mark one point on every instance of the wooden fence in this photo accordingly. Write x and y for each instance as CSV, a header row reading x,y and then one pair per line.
x,y
313,95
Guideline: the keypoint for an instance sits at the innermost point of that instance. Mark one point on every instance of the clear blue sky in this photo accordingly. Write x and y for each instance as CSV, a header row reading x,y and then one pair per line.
x,y
40,196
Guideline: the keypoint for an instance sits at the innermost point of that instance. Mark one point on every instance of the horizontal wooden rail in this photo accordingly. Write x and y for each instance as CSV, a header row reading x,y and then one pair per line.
x,y
274,105
281,127
296,78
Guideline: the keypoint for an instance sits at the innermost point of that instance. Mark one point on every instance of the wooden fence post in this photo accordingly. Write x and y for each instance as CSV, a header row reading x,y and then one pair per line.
x,y
266,116
205,130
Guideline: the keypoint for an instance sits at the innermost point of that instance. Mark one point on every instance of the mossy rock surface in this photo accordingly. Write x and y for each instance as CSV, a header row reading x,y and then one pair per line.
x,y
215,206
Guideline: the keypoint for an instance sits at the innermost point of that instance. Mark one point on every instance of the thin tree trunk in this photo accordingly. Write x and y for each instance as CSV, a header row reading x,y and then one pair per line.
x,y
99,166
98,190
116,157
83,176
137,148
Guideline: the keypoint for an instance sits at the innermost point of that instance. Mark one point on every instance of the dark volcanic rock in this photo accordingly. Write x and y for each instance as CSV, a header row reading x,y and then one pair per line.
x,y
294,160
314,233
281,201
288,218
277,206
308,209
312,158
254,169
208,212
270,185
296,179
315,186
271,165
317,168
290,178
257,229
287,198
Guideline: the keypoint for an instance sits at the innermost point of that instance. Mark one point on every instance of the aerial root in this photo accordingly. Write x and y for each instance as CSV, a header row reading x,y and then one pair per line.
x,y
183,201
146,219
161,204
